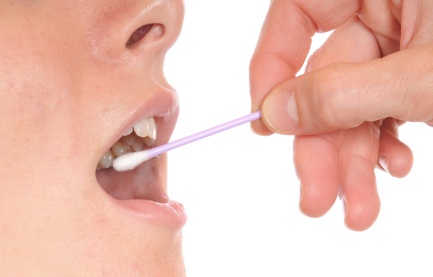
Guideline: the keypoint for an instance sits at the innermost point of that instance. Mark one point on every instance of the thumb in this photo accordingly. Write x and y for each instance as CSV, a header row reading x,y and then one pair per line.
x,y
344,95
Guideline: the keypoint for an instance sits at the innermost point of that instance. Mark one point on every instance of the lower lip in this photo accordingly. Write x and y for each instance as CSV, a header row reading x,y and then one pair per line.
x,y
171,214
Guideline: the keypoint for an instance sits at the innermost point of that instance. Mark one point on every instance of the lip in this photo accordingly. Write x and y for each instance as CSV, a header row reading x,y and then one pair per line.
x,y
171,214
162,103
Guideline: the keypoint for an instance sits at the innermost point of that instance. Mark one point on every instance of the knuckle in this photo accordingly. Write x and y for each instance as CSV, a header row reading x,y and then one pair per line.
x,y
331,97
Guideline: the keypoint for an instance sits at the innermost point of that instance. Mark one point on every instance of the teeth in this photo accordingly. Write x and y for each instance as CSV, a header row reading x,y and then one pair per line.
x,y
128,140
150,139
152,128
142,128
138,145
106,161
129,143
128,132
119,148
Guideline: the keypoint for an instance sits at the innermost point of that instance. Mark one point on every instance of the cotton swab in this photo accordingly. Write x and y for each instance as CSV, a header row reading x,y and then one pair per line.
x,y
132,160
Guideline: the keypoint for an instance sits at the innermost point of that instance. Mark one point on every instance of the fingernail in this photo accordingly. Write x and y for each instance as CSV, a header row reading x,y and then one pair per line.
x,y
384,161
280,110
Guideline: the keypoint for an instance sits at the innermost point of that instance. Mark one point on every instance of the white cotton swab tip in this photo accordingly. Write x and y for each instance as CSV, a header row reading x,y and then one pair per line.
x,y
131,160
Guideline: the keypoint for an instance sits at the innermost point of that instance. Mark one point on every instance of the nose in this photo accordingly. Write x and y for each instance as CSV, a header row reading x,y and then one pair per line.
x,y
133,29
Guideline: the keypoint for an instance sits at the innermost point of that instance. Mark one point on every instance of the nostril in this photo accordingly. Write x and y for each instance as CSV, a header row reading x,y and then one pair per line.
x,y
138,34
141,32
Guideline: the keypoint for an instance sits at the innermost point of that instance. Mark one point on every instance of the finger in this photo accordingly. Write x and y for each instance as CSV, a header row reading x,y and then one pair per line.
x,y
395,157
390,124
361,199
384,19
316,162
343,95
352,42
316,157
387,45
358,157
285,41
400,122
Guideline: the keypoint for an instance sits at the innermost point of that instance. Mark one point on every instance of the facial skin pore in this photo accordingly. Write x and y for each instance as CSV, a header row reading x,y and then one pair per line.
x,y
67,84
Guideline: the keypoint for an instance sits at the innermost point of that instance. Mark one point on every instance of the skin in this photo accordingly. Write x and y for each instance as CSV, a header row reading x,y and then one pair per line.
x,y
373,74
67,83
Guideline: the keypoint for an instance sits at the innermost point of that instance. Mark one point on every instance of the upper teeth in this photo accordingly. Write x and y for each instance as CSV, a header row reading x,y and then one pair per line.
x,y
152,128
146,129
150,139
142,128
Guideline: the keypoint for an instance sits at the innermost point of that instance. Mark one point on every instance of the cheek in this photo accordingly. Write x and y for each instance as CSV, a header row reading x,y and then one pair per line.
x,y
41,74
40,108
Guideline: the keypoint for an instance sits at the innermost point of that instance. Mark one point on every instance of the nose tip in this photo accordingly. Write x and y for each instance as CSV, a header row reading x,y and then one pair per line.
x,y
137,27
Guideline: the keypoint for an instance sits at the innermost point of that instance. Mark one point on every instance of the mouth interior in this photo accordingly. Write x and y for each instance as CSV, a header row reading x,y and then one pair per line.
x,y
140,183
143,181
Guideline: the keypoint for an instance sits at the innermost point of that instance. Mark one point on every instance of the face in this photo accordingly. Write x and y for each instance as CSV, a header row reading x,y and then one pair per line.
x,y
75,76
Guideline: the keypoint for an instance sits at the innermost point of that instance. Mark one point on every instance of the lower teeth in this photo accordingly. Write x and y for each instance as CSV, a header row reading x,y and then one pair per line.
x,y
137,145
107,160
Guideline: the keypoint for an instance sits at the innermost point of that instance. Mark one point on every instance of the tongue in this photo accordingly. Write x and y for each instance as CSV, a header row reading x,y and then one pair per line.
x,y
144,182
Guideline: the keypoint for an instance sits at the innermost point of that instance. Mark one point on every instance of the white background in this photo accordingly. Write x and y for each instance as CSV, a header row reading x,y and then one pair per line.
x,y
240,190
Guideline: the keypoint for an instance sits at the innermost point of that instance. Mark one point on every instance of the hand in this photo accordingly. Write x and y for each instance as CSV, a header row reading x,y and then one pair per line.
x,y
373,73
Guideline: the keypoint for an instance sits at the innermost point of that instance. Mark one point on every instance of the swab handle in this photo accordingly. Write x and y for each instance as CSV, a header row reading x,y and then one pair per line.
x,y
132,160
203,134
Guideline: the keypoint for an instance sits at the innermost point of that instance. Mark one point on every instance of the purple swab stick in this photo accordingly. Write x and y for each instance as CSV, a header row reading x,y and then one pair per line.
x,y
132,160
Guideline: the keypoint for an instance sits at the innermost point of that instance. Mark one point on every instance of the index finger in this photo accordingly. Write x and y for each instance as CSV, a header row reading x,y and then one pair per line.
x,y
285,41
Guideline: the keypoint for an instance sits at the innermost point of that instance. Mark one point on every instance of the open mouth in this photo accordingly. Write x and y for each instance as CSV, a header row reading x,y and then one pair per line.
x,y
142,192
142,182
